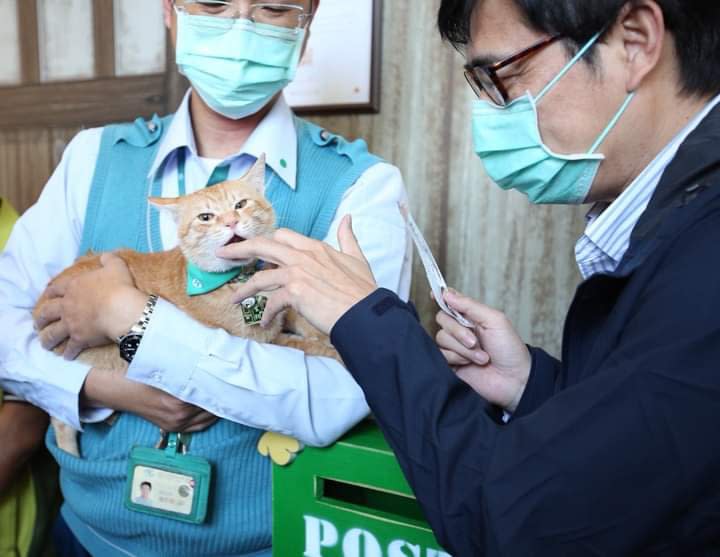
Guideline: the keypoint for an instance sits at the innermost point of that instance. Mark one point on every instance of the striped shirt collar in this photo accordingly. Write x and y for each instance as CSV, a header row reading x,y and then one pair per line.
x,y
607,236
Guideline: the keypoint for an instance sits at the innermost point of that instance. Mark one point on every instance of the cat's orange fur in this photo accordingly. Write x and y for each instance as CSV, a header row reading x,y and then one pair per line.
x,y
165,274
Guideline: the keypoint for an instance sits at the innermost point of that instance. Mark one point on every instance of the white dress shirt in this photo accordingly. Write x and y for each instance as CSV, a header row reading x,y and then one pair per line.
x,y
607,236
266,386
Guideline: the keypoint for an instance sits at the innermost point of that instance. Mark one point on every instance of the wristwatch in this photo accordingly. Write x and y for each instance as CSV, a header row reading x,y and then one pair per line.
x,y
130,342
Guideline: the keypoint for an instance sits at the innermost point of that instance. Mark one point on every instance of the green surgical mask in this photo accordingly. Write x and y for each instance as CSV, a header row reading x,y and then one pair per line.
x,y
508,141
237,66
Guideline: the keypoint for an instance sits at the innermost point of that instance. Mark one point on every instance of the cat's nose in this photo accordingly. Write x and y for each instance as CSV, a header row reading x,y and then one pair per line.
x,y
230,220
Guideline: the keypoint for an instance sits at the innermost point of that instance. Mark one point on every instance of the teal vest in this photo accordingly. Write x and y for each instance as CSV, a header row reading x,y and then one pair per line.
x,y
118,215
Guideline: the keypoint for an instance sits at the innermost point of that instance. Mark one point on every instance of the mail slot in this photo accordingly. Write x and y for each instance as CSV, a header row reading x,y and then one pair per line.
x,y
348,500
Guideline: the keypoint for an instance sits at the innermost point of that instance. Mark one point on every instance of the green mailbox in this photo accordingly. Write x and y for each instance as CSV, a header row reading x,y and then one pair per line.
x,y
349,500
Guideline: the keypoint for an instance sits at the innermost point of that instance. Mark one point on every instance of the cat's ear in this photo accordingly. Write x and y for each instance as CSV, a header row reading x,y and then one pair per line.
x,y
167,204
256,175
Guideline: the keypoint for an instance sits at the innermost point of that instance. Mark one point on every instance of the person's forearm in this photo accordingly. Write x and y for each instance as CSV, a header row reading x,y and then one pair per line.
x,y
541,382
435,423
102,389
27,264
259,385
35,374
22,428
111,389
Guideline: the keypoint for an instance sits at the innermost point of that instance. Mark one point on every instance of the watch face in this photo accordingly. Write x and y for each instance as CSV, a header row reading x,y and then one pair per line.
x,y
129,346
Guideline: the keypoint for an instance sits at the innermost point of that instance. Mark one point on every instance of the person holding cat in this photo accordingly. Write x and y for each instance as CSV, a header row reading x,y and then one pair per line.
x,y
612,450
183,375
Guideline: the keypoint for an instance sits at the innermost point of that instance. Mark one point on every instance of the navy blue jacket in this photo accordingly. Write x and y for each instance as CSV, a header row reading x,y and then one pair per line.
x,y
615,450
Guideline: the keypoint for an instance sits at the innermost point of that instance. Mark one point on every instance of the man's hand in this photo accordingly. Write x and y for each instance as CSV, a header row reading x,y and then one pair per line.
x,y
22,429
492,358
91,309
111,389
321,283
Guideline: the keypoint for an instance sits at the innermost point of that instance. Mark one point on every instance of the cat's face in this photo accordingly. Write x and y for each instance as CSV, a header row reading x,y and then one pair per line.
x,y
224,214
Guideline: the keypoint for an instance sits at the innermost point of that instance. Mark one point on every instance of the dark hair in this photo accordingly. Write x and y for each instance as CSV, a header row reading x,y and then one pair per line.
x,y
146,484
695,25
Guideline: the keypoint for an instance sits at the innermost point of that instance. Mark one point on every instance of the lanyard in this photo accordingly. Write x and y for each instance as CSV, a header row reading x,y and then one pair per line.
x,y
220,174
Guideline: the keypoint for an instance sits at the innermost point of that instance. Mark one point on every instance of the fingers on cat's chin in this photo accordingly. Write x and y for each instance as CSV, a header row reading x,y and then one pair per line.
x,y
235,240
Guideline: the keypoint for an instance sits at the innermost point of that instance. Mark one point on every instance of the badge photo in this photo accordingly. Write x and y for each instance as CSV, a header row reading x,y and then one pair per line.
x,y
167,483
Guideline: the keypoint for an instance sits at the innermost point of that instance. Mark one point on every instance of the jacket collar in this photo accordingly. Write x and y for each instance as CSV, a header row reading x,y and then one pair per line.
x,y
686,187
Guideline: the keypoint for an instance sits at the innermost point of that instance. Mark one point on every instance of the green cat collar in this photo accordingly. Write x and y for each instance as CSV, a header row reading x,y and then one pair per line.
x,y
203,282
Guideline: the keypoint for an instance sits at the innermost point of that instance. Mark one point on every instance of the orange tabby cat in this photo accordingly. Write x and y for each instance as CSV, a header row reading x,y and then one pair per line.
x,y
207,220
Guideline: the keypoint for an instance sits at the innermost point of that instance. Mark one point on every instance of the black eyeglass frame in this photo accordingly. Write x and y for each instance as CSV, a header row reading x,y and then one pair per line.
x,y
485,78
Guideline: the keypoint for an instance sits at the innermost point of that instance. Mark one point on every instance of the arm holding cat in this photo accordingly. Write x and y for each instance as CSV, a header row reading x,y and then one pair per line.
x,y
112,389
109,388
45,240
270,387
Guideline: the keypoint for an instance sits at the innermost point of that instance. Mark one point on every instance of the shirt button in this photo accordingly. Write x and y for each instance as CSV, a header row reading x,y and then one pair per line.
x,y
324,135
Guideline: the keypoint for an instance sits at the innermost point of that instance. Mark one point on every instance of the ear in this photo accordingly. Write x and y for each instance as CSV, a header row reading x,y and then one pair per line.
x,y
256,175
167,204
641,27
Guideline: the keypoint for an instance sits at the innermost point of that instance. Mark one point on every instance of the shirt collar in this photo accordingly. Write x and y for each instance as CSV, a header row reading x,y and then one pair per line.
x,y
275,136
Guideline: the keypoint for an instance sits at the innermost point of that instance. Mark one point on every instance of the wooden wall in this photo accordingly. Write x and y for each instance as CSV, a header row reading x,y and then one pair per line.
x,y
71,64
27,159
490,244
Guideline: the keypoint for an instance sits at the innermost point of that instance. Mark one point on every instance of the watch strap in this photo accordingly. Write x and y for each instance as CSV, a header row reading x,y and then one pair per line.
x,y
130,342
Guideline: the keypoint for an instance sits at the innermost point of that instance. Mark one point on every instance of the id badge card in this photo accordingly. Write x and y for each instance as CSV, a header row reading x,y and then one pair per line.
x,y
168,483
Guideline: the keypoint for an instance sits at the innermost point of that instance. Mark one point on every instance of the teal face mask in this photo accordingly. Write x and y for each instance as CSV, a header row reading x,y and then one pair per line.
x,y
508,141
236,66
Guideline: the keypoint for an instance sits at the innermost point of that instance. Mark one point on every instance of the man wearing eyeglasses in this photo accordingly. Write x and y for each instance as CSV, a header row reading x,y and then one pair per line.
x,y
183,376
612,450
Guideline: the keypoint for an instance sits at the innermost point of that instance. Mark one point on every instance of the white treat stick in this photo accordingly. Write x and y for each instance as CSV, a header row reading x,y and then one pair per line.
x,y
432,271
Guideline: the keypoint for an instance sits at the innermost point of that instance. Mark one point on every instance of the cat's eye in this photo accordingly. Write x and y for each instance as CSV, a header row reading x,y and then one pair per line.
x,y
241,205
206,217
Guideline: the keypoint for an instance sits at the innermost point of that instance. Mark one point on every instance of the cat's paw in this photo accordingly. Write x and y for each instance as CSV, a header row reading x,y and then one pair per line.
x,y
281,449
